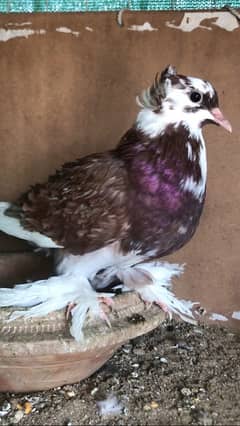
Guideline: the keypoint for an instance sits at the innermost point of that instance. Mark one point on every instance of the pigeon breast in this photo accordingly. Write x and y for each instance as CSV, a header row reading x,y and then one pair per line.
x,y
164,210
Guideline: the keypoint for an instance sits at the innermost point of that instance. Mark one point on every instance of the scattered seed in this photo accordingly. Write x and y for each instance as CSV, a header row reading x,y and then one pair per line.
x,y
94,390
154,405
27,407
18,416
71,394
147,407
186,392
19,406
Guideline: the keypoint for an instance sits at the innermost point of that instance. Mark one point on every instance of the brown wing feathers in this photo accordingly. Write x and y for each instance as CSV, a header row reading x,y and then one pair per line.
x,y
83,206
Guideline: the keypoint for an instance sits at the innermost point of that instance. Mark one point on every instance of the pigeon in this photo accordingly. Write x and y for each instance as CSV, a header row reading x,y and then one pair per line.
x,y
109,217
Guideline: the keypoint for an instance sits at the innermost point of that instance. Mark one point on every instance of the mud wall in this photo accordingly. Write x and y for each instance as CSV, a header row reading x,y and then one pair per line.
x,y
68,86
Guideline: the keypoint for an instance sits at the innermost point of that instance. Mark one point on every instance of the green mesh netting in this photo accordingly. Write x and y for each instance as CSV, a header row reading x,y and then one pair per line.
x,y
110,5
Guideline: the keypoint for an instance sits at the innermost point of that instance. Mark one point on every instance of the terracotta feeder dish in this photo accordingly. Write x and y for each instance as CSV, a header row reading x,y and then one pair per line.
x,y
40,353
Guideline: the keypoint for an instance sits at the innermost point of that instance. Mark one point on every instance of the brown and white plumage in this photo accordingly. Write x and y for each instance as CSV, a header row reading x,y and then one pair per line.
x,y
83,207
108,213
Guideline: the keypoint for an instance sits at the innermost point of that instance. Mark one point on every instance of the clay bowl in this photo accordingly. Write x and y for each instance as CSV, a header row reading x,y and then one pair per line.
x,y
39,353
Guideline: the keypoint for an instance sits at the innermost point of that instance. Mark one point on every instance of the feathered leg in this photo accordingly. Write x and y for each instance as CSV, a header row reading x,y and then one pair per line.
x,y
159,291
152,281
45,296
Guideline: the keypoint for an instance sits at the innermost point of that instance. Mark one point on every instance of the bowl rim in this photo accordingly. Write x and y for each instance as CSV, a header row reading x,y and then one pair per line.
x,y
129,317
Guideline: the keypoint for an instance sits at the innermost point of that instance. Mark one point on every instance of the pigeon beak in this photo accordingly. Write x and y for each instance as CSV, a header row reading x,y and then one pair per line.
x,y
219,119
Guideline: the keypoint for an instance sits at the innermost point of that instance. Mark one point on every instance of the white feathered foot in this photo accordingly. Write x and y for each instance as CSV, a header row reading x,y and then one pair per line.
x,y
45,296
159,291
152,281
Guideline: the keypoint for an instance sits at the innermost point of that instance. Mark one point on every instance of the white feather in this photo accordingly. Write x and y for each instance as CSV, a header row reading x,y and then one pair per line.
x,y
46,296
12,226
110,406
154,124
91,263
201,85
160,291
189,184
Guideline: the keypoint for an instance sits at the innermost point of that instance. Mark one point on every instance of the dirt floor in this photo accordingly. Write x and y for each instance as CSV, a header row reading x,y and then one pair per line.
x,y
176,375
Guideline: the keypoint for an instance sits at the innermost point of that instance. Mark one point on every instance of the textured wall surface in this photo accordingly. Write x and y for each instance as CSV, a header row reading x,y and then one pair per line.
x,y
109,5
68,86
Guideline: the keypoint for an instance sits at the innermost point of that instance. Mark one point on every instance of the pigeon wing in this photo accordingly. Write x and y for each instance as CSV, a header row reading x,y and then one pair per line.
x,y
82,207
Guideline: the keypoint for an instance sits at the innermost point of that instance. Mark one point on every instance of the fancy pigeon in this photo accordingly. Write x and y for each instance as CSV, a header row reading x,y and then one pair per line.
x,y
110,216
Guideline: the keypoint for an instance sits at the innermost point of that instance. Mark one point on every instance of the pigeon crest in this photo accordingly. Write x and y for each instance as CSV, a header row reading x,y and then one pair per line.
x,y
152,97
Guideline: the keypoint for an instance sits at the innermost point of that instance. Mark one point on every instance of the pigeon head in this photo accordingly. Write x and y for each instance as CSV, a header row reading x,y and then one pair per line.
x,y
174,99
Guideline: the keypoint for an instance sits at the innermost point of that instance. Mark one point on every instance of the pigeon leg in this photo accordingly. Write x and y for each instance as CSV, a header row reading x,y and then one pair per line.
x,y
70,306
164,308
160,303
108,301
105,318
159,290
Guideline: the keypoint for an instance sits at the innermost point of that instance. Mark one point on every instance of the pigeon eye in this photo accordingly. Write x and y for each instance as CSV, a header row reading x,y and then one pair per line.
x,y
195,96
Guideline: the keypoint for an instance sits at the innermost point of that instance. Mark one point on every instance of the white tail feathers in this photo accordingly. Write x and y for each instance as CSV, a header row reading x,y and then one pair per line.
x,y
12,226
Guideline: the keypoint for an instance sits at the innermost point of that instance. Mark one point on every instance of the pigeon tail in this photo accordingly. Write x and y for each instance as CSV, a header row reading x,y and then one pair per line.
x,y
12,226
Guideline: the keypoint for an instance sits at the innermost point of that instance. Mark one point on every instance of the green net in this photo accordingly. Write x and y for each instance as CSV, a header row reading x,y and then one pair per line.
x,y
109,5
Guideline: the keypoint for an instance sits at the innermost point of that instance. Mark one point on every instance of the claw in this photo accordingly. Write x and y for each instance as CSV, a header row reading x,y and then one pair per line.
x,y
105,318
165,308
70,306
147,304
108,301
162,305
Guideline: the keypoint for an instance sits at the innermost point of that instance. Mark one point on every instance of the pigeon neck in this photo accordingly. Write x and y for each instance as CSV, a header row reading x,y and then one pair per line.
x,y
154,124
173,153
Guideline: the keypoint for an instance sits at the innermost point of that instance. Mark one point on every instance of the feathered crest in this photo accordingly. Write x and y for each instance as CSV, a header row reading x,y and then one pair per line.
x,y
152,97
